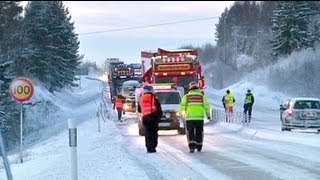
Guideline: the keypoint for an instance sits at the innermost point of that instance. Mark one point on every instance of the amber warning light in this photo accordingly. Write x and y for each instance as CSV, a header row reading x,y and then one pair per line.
x,y
173,67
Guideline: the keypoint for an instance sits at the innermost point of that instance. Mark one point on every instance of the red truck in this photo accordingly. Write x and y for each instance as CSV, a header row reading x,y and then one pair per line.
x,y
179,66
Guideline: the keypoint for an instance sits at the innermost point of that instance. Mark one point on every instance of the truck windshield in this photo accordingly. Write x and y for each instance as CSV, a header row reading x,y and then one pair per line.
x,y
182,81
119,82
168,97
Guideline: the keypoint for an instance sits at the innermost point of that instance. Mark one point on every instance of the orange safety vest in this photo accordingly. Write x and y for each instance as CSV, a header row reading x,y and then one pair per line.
x,y
119,102
148,105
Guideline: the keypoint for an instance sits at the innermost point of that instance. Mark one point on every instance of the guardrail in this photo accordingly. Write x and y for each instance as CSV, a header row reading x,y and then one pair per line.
x,y
220,115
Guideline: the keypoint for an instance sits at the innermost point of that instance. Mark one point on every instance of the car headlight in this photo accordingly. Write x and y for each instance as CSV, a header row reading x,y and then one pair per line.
x,y
182,113
167,115
125,106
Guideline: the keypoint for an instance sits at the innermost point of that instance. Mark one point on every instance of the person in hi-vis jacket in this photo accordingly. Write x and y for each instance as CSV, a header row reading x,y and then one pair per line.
x,y
195,107
118,104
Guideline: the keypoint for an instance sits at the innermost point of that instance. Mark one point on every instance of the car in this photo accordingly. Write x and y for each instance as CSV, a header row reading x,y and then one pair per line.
x,y
300,113
128,91
170,98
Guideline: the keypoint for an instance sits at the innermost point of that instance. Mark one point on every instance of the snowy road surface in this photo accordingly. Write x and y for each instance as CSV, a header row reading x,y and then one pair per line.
x,y
231,151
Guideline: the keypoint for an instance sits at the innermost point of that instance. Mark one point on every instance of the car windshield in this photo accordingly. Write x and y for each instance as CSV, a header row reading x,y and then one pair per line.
x,y
129,90
307,104
168,97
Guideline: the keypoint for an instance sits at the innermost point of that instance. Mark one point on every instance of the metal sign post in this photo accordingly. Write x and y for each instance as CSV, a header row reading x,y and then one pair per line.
x,y
21,89
4,158
21,133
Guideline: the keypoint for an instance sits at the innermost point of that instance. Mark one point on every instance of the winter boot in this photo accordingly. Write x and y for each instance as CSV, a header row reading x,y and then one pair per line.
x,y
199,148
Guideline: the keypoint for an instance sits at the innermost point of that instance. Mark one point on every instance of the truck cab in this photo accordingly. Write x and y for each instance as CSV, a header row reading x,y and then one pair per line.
x,y
119,74
170,98
180,66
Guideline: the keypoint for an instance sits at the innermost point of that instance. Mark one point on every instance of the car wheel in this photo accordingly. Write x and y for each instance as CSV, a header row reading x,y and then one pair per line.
x,y
141,129
182,131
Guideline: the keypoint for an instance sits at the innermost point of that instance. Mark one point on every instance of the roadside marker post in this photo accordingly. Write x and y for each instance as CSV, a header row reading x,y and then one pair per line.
x,y
73,148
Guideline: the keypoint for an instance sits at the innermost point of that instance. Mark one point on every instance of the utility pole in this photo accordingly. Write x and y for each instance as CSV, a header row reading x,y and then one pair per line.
x,y
225,39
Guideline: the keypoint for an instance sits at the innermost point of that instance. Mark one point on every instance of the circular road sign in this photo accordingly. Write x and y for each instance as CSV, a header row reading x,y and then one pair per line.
x,y
21,89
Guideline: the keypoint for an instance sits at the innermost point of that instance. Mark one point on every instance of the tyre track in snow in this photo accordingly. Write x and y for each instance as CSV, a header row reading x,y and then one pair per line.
x,y
168,163
229,167
269,160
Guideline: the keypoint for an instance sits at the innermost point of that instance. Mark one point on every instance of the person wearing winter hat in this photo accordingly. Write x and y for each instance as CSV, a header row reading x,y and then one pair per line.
x,y
150,108
195,106
247,107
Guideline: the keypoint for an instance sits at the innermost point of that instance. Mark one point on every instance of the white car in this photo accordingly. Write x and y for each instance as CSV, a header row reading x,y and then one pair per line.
x,y
300,113
170,99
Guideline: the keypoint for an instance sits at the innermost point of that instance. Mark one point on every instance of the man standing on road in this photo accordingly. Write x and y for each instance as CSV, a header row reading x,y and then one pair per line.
x,y
224,106
118,104
150,108
229,101
195,106
248,103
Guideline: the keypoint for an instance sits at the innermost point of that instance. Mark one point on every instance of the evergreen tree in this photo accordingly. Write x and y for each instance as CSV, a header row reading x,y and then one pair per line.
x,y
290,27
9,25
314,24
65,45
221,29
36,39
52,44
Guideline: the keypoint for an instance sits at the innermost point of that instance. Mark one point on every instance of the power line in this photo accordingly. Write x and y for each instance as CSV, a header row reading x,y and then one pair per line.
x,y
146,26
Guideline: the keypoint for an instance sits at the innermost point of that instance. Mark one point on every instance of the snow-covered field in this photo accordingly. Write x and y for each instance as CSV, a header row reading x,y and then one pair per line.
x,y
259,150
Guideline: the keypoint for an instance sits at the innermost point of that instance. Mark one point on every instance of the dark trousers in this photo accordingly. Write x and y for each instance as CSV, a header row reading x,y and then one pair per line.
x,y
247,110
195,134
151,132
119,113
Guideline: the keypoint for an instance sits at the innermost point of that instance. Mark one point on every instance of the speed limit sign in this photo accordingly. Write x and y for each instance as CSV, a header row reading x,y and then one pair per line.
x,y
21,89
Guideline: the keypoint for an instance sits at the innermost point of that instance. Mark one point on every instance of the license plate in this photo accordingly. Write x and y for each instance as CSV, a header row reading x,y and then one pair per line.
x,y
164,124
308,115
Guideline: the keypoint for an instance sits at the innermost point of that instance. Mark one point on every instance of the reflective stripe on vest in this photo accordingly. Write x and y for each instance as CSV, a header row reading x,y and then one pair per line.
x,y
147,103
119,103
195,99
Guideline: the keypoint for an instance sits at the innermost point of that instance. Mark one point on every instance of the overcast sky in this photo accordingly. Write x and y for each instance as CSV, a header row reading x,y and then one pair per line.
x,y
92,16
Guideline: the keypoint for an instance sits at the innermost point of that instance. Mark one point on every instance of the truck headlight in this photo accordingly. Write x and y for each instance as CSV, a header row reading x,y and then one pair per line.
x,y
167,115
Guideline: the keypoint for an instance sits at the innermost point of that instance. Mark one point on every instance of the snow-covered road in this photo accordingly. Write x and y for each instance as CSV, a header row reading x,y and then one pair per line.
x,y
231,150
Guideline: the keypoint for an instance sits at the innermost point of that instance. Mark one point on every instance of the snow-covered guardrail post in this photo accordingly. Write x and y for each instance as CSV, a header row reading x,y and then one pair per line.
x,y
73,148
98,117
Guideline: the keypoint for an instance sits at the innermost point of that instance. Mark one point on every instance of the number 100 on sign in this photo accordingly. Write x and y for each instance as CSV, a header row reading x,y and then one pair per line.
x,y
21,89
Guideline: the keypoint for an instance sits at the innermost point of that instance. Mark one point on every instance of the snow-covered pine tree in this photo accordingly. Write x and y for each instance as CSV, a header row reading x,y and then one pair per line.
x,y
64,46
36,39
52,45
290,27
221,29
9,21
314,24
